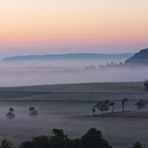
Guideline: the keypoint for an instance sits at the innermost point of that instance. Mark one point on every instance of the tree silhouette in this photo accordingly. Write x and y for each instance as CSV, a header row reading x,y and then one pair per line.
x,y
99,105
140,104
59,133
10,114
103,106
41,142
93,111
31,108
124,100
5,144
11,109
106,105
27,144
94,139
112,106
32,111
146,85
59,139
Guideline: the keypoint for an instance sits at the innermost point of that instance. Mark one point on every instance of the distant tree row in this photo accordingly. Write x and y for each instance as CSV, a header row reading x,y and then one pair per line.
x,y
106,105
92,139
107,65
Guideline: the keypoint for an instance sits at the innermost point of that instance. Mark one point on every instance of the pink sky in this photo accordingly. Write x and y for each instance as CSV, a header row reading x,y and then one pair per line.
x,y
53,26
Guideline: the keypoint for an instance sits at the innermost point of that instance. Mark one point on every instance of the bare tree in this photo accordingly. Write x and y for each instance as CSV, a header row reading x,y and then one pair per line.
x,y
146,85
112,106
141,104
124,100
93,111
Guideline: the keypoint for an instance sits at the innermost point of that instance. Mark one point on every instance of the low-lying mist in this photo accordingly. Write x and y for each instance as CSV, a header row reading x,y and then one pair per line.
x,y
67,71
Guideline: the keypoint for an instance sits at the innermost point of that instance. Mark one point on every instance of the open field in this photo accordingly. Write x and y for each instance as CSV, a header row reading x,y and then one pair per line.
x,y
75,92
69,107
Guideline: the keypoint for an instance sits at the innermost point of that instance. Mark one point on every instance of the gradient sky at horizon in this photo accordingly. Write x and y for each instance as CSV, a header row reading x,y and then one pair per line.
x,y
52,26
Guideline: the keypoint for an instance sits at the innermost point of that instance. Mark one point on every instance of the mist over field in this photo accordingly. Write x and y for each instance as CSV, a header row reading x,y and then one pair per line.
x,y
74,66
20,73
70,106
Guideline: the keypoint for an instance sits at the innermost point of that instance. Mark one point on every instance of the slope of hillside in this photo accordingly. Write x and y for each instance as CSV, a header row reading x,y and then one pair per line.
x,y
68,56
139,58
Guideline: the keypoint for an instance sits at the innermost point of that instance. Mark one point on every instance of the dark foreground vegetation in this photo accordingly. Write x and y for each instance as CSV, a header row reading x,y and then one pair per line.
x,y
92,139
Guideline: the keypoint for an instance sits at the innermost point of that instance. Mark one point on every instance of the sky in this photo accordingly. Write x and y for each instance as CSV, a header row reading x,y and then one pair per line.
x,y
57,26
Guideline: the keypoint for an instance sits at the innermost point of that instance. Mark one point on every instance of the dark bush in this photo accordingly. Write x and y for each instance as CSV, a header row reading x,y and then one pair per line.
x,y
94,139
27,144
5,144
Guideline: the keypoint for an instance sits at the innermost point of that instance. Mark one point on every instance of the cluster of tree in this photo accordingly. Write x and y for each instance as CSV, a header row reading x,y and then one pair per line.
x,y
141,104
92,139
107,65
106,105
110,65
103,106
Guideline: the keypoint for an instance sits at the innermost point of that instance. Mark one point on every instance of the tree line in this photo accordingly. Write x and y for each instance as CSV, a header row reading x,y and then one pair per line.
x,y
103,106
92,139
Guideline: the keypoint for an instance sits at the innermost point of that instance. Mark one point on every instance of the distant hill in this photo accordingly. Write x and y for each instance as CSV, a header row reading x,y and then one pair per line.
x,y
69,56
139,58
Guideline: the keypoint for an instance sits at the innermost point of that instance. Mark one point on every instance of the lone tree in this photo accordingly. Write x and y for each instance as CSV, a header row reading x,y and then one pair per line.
x,y
112,106
11,109
146,84
93,111
124,100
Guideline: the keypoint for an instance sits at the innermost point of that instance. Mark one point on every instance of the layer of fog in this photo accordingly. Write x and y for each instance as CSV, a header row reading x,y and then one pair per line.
x,y
62,115
68,71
